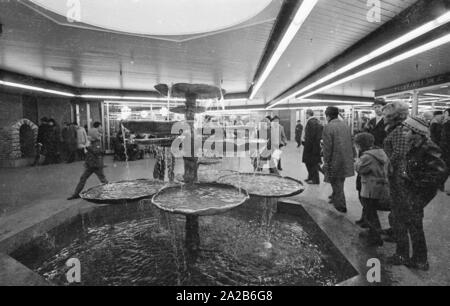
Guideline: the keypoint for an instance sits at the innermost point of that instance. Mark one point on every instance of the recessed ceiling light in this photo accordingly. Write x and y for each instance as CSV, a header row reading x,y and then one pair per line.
x,y
34,88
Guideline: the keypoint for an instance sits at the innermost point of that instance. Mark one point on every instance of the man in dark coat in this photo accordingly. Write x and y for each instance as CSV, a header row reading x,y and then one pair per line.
x,y
312,149
42,134
445,140
69,137
377,126
338,156
50,143
298,133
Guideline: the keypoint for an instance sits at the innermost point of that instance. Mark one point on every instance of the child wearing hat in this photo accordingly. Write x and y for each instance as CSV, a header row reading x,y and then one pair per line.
x,y
425,172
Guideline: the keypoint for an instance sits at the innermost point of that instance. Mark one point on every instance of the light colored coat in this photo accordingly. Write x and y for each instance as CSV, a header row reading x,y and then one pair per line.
x,y
338,154
373,166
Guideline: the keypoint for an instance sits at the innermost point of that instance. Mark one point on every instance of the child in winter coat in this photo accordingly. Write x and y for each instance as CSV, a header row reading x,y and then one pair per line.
x,y
373,167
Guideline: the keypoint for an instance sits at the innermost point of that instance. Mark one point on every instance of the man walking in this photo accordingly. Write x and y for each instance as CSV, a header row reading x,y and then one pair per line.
x,y
338,156
312,149
93,164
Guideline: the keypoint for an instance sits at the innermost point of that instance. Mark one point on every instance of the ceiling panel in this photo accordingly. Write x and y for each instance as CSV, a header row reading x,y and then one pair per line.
x,y
332,27
34,45
428,64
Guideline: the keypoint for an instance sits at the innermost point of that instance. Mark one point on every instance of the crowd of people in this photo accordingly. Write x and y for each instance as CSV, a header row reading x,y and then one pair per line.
x,y
401,162
67,144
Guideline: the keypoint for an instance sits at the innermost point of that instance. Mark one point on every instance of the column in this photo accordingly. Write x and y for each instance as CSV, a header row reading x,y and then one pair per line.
x,y
415,103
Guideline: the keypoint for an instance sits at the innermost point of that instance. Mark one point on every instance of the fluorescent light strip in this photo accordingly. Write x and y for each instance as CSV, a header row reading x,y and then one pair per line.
x,y
444,19
437,95
33,88
302,13
334,101
429,46
128,98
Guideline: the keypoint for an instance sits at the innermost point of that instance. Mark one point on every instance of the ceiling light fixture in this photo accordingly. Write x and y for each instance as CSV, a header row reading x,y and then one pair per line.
x,y
437,95
302,13
335,101
443,19
34,88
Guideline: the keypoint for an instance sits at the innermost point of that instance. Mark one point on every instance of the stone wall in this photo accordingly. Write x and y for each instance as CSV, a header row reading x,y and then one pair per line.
x,y
10,112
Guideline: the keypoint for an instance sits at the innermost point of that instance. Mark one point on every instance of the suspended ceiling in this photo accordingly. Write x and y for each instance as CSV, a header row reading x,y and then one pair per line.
x,y
38,44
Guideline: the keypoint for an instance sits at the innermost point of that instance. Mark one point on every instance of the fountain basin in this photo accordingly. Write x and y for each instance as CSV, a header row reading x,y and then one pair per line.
x,y
119,192
136,244
199,199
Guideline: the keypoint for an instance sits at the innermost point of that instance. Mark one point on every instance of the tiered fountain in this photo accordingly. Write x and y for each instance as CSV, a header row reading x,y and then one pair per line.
x,y
193,198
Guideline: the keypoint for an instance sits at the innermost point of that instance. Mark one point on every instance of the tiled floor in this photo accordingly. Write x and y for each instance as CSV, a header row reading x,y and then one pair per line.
x,y
34,193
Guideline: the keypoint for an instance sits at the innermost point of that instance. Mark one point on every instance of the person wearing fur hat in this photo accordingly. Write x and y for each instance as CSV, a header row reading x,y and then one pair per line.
x,y
373,167
396,146
424,173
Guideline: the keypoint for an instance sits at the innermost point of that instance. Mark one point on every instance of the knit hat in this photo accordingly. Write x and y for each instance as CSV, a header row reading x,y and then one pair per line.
x,y
417,125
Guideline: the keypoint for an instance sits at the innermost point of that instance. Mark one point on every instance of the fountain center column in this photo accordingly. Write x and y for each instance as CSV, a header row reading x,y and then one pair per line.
x,y
190,177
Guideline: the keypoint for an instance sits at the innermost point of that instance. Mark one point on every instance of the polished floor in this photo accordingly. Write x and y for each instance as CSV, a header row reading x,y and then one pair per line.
x,y
29,195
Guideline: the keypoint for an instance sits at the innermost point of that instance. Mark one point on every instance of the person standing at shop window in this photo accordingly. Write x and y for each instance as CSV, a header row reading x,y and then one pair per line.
x,y
298,133
338,156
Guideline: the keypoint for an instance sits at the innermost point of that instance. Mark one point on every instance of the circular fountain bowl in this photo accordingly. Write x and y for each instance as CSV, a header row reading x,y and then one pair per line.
x,y
119,192
264,185
200,199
